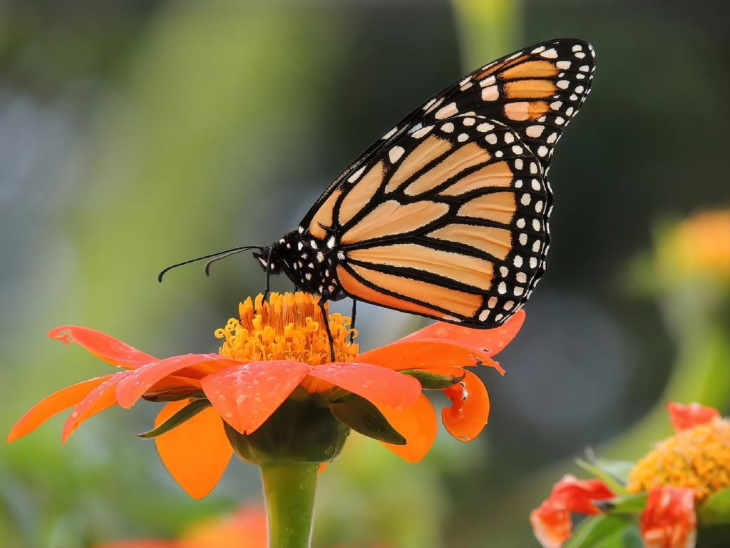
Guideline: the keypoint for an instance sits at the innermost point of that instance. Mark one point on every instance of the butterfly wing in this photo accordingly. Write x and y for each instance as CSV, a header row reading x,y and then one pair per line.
x,y
446,215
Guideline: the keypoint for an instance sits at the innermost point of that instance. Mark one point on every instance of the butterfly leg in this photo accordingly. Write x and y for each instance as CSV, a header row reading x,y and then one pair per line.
x,y
267,287
321,303
352,324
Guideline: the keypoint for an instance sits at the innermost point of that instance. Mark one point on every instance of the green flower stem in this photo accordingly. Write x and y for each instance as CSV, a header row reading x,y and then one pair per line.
x,y
289,489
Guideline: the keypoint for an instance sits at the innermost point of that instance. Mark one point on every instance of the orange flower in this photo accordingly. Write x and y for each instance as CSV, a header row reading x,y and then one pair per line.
x,y
669,519
679,473
275,353
551,520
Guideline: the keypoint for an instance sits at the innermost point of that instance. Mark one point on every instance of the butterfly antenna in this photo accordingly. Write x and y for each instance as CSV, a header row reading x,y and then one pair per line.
x,y
213,257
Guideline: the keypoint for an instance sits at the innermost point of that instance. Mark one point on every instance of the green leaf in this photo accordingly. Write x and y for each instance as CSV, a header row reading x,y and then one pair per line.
x,y
431,381
629,504
186,413
605,531
716,509
362,416
614,473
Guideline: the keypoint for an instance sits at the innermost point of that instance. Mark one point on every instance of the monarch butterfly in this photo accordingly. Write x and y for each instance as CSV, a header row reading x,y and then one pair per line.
x,y
446,215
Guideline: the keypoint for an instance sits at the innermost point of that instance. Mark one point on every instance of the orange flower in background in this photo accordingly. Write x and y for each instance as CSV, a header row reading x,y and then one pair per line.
x,y
677,477
551,521
244,528
278,351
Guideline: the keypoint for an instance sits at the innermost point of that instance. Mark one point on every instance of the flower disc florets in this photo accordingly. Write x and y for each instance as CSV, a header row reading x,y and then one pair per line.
x,y
286,327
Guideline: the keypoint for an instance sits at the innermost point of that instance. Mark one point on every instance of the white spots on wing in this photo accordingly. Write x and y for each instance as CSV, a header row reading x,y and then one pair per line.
x,y
488,81
533,262
549,54
563,84
555,105
490,93
538,206
542,151
517,261
519,164
533,168
469,121
525,199
552,138
520,222
584,68
580,55
517,149
521,277
462,137
491,139
536,225
509,138
535,185
538,49
484,127
355,176
448,127
563,65
502,288
446,111
534,131
580,89
518,183
483,315
422,132
395,153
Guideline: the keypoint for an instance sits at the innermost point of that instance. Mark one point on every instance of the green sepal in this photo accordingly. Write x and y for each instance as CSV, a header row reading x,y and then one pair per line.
x,y
605,531
716,509
628,504
614,473
431,381
186,413
363,417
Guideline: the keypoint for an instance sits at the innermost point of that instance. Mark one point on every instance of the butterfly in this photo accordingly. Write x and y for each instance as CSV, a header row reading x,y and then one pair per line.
x,y
446,215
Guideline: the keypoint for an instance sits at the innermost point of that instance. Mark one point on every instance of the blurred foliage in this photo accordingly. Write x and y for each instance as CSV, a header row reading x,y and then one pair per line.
x,y
136,134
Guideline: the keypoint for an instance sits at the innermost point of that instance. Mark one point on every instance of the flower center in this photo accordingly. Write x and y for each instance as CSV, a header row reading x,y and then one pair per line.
x,y
288,326
698,458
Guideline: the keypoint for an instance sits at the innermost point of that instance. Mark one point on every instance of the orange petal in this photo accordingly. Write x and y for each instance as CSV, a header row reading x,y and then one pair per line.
x,y
100,398
684,417
101,345
551,520
417,424
469,410
577,495
246,395
197,452
141,380
246,528
52,405
669,519
378,385
446,344
552,525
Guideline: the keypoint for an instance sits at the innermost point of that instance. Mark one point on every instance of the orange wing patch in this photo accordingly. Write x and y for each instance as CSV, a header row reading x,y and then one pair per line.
x,y
430,149
531,69
391,218
459,303
499,207
498,174
462,268
323,217
456,162
529,89
495,241
361,193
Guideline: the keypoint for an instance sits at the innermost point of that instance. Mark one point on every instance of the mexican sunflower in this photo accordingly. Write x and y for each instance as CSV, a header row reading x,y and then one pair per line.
x,y
272,393
683,480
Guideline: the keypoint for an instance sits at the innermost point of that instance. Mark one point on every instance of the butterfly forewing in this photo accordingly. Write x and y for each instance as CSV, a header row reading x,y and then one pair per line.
x,y
447,214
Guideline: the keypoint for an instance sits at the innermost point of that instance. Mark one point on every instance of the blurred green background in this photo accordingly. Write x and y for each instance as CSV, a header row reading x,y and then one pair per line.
x,y
139,133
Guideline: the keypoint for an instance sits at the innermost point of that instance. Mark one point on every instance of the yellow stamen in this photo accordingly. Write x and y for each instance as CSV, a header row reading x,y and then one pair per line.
x,y
288,326
698,458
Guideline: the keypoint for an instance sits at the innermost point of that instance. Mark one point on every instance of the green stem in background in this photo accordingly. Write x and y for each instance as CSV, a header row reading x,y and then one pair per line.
x,y
487,29
289,489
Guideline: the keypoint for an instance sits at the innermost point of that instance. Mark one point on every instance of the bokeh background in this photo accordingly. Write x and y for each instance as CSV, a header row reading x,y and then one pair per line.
x,y
134,134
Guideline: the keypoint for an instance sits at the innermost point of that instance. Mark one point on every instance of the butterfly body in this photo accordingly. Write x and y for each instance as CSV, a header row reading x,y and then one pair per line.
x,y
446,216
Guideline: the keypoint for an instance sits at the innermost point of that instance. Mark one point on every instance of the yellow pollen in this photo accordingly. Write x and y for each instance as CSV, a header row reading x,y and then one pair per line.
x,y
288,326
698,458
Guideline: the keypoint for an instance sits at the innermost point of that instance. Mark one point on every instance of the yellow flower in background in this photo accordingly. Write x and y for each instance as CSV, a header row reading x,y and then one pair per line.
x,y
698,247
697,457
